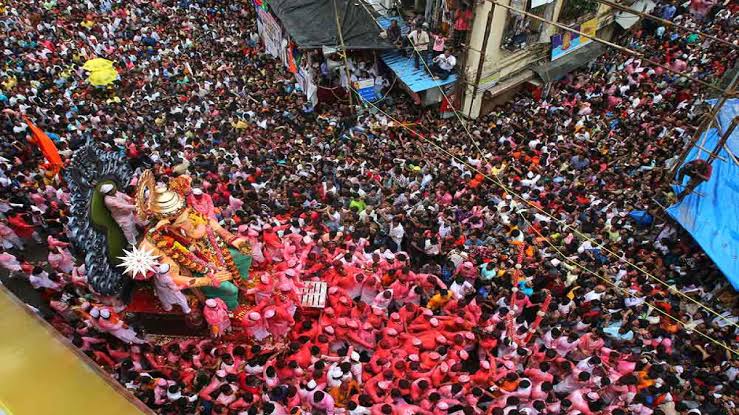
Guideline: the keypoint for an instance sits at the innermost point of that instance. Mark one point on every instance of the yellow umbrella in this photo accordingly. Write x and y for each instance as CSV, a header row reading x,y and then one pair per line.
x,y
102,77
97,64
240,125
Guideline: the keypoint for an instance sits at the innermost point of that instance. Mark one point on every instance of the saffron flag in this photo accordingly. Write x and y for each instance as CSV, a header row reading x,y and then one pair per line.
x,y
47,147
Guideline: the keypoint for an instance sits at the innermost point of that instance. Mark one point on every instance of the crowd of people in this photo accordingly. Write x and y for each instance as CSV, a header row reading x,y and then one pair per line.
x,y
525,269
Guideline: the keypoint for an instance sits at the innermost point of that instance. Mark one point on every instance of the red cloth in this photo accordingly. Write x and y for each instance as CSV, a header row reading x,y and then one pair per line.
x,y
47,147
20,226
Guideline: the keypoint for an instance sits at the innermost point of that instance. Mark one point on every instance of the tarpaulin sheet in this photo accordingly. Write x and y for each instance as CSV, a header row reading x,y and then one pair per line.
x,y
416,79
312,23
709,214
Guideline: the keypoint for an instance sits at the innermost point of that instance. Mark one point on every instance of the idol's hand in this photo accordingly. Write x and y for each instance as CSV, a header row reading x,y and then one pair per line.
x,y
222,276
239,242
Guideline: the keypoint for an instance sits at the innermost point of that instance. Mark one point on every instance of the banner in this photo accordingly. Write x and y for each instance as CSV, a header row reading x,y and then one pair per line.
x,y
564,43
589,28
291,65
271,33
305,80
366,89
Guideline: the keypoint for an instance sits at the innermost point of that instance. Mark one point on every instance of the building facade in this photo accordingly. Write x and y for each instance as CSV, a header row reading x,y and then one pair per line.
x,y
508,51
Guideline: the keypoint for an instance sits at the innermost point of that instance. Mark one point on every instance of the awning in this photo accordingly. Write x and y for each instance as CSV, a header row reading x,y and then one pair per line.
x,y
312,23
626,19
709,212
497,88
557,69
416,80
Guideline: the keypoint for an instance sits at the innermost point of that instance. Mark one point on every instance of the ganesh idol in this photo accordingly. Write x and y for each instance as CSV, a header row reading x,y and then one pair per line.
x,y
200,254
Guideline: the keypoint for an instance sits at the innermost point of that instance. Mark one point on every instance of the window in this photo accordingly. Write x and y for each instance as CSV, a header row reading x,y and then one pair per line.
x,y
521,30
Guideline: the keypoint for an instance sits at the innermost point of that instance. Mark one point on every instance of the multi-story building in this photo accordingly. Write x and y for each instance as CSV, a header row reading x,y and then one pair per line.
x,y
508,51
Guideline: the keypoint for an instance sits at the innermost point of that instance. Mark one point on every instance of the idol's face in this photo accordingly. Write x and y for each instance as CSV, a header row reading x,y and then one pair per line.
x,y
189,228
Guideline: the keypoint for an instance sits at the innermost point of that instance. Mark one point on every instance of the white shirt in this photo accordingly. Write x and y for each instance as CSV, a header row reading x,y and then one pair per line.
x,y
446,62
420,40
431,248
42,281
397,233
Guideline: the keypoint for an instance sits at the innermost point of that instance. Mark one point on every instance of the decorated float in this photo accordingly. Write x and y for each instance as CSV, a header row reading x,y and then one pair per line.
x,y
163,266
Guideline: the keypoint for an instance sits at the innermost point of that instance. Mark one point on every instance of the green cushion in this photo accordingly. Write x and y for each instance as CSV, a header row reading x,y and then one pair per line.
x,y
243,263
226,291
103,221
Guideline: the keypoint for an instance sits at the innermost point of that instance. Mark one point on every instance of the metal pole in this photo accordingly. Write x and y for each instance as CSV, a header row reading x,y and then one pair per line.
x,y
708,152
724,138
481,61
460,90
343,51
607,43
705,124
731,154
667,22
692,184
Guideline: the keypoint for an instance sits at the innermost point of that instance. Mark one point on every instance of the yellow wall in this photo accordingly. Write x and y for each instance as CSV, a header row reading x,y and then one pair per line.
x,y
42,375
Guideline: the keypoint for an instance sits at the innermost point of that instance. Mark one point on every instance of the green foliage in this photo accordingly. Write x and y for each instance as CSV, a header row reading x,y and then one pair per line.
x,y
573,10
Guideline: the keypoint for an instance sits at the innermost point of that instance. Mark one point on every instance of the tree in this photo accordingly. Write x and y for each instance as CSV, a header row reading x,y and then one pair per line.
x,y
572,10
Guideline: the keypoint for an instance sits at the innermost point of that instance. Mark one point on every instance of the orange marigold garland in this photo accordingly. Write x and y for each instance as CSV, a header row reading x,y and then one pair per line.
x,y
187,259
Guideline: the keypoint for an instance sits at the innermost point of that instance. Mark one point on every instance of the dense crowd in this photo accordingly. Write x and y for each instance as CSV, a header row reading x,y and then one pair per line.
x,y
525,269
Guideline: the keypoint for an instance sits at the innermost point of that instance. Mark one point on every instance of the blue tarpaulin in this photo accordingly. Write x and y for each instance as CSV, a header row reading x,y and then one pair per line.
x,y
385,22
417,80
642,218
404,67
710,213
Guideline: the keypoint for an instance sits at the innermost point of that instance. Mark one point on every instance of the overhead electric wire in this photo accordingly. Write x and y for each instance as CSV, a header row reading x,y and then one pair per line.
x,y
667,22
625,291
632,52
452,156
508,190
581,235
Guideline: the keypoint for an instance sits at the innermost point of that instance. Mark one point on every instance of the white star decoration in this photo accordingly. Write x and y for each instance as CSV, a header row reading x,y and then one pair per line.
x,y
138,261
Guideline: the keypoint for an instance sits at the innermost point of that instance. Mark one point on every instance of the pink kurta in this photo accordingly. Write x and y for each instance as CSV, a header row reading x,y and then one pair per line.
x,y
122,209
8,237
169,293
119,330
203,204
217,318
9,262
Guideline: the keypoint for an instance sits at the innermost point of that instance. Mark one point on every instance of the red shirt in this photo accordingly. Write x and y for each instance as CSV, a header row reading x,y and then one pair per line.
x,y
20,226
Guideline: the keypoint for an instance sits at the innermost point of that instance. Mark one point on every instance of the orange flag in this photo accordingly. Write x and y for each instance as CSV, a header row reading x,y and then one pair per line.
x,y
47,147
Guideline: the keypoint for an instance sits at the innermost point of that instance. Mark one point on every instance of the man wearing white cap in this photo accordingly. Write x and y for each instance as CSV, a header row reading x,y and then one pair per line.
x,y
216,314
167,290
110,323
201,202
255,326
122,208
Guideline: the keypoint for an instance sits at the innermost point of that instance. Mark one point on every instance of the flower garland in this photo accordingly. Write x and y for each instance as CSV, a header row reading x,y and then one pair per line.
x,y
224,256
175,249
